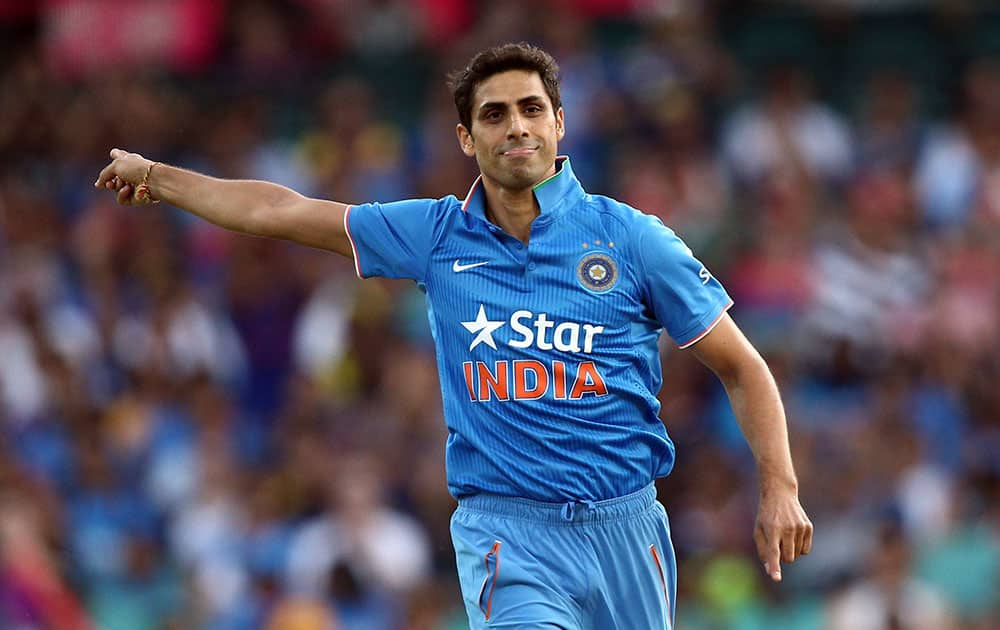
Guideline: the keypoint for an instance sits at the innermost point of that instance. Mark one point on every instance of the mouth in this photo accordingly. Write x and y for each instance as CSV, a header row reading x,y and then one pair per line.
x,y
519,151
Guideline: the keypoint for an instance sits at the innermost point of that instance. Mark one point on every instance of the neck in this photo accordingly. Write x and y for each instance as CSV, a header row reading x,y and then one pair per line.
x,y
511,209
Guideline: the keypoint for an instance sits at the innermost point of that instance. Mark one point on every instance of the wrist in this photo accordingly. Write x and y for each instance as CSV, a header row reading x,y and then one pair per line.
x,y
778,482
143,191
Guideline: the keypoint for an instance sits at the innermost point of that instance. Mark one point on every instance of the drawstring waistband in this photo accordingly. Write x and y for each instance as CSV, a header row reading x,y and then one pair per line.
x,y
570,508
576,511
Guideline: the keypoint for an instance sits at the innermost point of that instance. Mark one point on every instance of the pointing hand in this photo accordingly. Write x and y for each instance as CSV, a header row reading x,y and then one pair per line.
x,y
126,175
783,532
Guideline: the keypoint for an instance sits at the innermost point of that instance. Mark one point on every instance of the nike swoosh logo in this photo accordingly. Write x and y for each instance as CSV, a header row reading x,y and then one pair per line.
x,y
456,266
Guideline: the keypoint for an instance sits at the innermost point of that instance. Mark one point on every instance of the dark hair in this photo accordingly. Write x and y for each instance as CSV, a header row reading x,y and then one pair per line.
x,y
486,63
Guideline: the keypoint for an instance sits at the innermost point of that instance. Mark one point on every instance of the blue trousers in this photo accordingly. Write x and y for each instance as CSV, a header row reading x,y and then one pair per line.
x,y
574,566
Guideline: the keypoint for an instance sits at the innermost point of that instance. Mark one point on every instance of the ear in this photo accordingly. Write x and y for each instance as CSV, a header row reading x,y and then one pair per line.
x,y
465,141
560,124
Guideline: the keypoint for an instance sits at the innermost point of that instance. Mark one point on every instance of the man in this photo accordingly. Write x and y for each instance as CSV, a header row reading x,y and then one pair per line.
x,y
546,304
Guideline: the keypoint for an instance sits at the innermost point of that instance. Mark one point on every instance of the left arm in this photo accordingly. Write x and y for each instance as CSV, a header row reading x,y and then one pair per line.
x,y
782,531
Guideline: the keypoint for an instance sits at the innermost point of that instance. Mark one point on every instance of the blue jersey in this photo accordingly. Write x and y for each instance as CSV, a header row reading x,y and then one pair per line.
x,y
547,352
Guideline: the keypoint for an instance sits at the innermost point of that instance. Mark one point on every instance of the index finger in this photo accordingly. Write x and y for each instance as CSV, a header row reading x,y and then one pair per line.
x,y
772,564
106,174
117,153
769,552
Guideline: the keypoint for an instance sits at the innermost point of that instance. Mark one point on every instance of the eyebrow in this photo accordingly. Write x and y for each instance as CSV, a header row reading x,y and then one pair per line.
x,y
534,98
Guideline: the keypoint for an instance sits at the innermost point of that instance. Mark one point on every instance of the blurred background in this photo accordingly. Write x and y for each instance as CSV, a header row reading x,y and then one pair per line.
x,y
204,430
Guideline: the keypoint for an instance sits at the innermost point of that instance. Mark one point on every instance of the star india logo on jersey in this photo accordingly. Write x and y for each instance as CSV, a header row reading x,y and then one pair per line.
x,y
530,379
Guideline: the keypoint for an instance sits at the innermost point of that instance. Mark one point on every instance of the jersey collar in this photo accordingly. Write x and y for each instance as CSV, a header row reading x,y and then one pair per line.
x,y
555,194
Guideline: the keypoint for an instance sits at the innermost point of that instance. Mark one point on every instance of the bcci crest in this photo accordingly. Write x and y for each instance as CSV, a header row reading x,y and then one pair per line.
x,y
597,272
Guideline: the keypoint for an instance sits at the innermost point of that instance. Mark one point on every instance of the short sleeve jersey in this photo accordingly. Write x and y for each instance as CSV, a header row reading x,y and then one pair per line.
x,y
547,351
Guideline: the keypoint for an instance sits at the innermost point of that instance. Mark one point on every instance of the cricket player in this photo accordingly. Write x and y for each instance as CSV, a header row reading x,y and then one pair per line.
x,y
546,304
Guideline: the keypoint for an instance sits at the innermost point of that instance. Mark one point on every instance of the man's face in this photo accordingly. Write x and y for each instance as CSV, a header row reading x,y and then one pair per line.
x,y
514,133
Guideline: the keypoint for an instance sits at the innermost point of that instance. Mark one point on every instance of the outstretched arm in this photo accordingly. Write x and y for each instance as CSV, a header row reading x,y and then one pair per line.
x,y
783,531
247,206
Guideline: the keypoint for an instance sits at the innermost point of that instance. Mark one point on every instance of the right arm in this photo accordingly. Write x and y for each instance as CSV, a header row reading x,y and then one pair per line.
x,y
247,206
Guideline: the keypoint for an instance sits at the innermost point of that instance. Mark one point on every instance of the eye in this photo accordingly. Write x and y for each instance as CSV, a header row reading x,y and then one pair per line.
x,y
493,116
533,109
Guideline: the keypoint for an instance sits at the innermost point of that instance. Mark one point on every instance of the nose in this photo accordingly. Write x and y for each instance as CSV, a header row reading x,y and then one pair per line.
x,y
517,126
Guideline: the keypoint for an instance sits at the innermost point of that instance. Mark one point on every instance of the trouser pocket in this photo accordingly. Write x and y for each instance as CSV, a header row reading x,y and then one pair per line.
x,y
492,562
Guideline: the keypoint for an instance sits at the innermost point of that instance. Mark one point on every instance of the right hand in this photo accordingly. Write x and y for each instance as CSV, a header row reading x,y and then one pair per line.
x,y
782,532
123,175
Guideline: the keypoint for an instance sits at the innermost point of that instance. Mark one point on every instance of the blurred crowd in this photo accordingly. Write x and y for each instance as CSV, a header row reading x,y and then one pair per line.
x,y
206,430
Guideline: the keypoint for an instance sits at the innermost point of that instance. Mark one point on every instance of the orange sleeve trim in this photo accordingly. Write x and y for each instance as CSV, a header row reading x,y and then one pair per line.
x,y
699,336
350,238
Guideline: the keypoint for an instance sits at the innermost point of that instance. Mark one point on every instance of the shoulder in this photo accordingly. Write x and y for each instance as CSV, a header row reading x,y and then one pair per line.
x,y
636,224
426,206
608,209
407,216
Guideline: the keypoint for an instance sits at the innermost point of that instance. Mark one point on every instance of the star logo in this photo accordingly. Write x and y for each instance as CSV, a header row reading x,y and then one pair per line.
x,y
485,329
